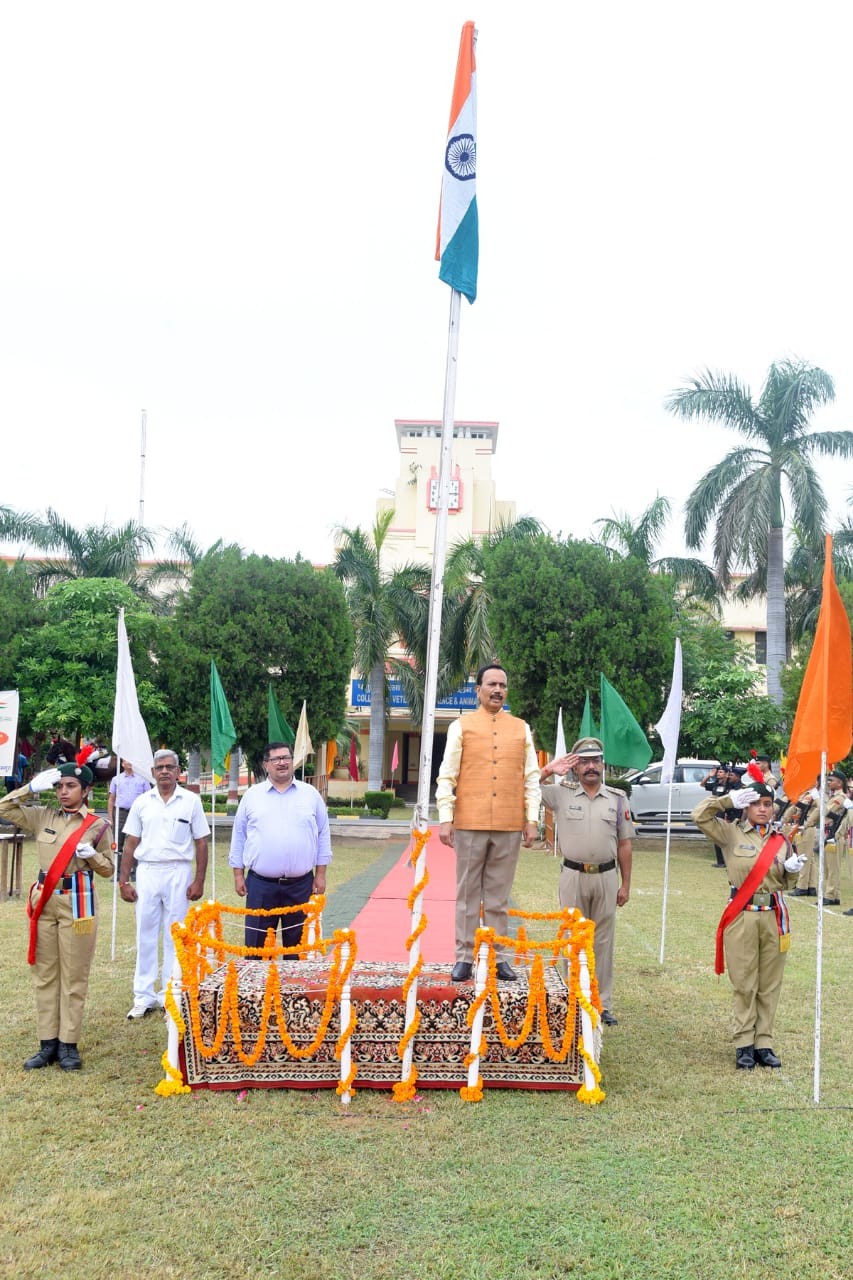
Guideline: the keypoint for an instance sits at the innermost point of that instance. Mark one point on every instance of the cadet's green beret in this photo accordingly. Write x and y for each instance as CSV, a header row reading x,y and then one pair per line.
x,y
81,772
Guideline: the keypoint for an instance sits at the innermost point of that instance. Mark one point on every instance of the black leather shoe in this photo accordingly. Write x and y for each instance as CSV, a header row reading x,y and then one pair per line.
x,y
461,971
848,913
745,1058
45,1056
832,902
69,1058
767,1058
608,1019
505,971
804,893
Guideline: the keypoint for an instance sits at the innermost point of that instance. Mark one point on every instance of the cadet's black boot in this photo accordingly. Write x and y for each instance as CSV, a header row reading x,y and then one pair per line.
x,y
47,1054
69,1058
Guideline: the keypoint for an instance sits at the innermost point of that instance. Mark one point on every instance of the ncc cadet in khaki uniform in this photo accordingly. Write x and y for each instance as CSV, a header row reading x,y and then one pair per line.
x,y
756,940
62,904
808,843
488,797
594,831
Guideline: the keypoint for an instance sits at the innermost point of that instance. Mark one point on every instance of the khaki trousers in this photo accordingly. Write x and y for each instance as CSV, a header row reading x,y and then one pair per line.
x,y
61,971
809,846
595,896
485,870
755,966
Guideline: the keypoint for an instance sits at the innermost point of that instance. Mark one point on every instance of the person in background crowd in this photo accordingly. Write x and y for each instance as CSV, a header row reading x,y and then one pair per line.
x,y
124,789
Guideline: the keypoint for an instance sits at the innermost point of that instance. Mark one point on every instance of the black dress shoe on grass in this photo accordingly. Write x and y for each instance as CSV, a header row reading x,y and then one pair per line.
x,y
767,1058
608,1019
505,971
47,1054
461,971
832,902
69,1058
745,1058
804,893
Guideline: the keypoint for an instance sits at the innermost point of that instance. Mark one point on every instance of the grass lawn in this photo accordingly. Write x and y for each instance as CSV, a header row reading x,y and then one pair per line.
x,y
688,1169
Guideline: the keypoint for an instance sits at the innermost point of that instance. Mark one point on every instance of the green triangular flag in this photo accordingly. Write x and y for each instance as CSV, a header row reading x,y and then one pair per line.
x,y
588,729
222,732
278,728
625,744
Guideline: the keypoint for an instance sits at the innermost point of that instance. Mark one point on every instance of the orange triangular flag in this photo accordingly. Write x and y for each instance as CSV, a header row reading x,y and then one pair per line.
x,y
824,719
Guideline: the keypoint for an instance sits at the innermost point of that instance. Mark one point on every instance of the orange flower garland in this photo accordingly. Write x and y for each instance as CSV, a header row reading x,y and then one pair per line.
x,y
201,936
574,935
404,1090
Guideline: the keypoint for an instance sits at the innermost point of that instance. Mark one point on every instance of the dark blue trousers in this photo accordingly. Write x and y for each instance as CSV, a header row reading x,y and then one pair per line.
x,y
262,895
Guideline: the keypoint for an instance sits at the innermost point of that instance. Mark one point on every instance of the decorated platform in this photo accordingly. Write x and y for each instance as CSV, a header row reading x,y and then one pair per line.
x,y
440,1046
364,1008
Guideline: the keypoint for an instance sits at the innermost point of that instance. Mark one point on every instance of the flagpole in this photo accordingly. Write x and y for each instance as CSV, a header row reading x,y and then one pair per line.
x,y
666,868
420,821
213,828
819,965
117,866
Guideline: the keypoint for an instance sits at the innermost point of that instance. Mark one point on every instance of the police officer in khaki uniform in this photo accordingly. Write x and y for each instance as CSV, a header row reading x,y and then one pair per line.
x,y
64,930
594,831
756,941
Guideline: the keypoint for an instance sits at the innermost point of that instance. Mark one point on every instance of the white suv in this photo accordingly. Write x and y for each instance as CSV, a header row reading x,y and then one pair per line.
x,y
650,796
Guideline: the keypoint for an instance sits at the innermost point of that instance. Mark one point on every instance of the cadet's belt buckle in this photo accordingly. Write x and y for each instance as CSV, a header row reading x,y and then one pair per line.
x,y
591,868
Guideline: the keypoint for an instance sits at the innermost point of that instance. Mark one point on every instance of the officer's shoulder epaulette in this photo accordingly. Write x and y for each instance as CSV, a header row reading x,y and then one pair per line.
x,y
615,791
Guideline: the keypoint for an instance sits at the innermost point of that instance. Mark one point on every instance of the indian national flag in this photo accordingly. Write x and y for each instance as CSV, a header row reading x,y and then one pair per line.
x,y
458,242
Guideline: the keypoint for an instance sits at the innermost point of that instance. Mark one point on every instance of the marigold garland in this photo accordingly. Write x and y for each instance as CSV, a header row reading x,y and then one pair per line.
x,y
404,1090
201,935
575,935
174,1082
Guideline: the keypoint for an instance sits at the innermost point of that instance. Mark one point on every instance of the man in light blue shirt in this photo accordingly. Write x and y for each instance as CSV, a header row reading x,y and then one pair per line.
x,y
280,848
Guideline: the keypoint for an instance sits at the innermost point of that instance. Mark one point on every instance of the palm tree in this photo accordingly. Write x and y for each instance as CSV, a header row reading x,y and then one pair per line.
x,y
96,551
375,599
621,535
743,495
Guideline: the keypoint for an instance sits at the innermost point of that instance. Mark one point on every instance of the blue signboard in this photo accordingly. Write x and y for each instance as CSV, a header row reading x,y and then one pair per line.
x,y
464,699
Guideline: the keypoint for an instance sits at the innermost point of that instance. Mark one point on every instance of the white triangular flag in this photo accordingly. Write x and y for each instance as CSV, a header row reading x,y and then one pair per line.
x,y
302,747
560,744
669,725
130,737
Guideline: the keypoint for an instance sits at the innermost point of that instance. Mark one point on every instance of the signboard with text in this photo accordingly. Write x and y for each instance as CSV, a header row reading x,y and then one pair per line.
x,y
464,699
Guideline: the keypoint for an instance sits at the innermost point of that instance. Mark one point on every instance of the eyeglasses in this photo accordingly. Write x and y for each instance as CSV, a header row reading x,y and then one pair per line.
x,y
279,759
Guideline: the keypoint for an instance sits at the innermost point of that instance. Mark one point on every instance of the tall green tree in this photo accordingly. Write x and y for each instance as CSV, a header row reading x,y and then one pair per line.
x,y
67,666
561,613
726,716
263,621
466,641
19,613
743,495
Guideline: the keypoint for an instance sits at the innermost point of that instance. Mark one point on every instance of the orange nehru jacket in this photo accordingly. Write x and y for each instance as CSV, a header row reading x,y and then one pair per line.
x,y
490,786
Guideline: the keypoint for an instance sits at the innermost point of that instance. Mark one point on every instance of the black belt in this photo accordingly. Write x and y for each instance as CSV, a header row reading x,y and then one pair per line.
x,y
279,879
591,868
758,899
64,884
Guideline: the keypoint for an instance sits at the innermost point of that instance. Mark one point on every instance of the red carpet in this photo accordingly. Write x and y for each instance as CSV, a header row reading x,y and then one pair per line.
x,y
384,924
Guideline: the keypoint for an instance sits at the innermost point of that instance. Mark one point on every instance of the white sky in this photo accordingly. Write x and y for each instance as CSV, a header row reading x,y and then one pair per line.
x,y
225,214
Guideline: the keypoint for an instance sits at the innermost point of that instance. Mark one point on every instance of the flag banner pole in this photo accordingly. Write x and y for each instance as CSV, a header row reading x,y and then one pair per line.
x,y
421,817
117,866
819,962
666,869
213,832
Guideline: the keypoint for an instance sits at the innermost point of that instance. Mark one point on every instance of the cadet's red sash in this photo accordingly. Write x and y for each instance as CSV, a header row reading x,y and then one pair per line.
x,y
53,875
759,870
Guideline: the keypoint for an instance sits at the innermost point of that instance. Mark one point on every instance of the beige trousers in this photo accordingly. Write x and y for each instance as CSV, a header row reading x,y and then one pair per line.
x,y
61,971
485,870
